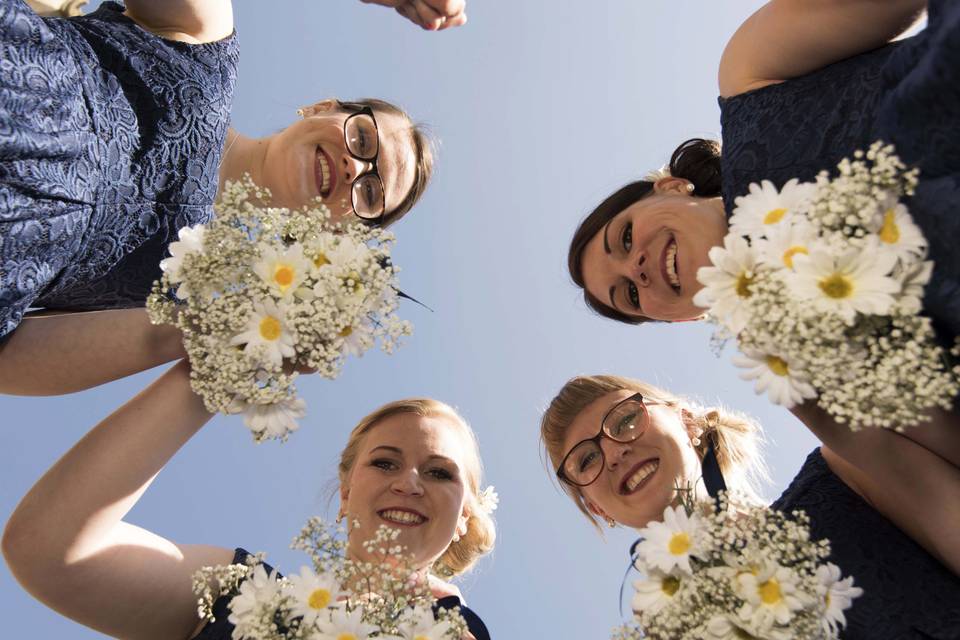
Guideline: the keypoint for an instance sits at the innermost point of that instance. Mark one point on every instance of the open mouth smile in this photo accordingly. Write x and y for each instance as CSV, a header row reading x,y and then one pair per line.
x,y
639,476
668,265
323,173
403,517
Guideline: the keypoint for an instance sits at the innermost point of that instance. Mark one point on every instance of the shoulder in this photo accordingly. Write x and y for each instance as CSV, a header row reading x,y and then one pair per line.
x,y
474,622
188,21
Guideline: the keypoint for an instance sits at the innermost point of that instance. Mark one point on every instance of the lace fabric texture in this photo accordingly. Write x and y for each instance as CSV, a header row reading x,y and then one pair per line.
x,y
906,93
110,141
907,593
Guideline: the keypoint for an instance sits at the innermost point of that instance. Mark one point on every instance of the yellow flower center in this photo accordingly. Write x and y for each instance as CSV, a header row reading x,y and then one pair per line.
x,y
347,636
270,328
777,365
319,599
792,251
345,332
836,286
679,544
889,232
353,283
774,216
321,260
421,637
770,591
283,275
743,285
670,585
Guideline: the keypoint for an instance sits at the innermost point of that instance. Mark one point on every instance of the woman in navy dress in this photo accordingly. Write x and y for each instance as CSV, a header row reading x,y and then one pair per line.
x,y
908,594
113,136
413,464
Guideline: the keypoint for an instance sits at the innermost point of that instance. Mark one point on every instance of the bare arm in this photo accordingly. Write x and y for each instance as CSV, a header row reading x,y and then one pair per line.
x,y
193,21
67,544
914,488
56,354
789,38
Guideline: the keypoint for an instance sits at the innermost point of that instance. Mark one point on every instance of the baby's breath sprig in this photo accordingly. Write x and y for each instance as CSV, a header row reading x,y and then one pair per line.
x,y
822,285
262,290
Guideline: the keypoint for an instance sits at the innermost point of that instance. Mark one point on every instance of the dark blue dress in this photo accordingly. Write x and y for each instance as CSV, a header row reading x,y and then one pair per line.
x,y
110,141
906,93
907,594
221,629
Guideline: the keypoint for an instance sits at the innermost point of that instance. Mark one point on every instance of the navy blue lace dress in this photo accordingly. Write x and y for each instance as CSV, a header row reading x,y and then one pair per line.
x,y
221,629
907,594
906,93
110,141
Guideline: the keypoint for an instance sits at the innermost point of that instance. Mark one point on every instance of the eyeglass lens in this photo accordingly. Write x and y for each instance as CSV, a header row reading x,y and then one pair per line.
x,y
625,423
360,132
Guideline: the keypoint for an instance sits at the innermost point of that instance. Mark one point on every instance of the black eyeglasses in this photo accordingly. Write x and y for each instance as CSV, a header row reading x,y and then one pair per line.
x,y
624,422
362,137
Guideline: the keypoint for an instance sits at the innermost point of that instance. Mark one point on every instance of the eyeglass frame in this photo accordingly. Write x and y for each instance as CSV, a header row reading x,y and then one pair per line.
x,y
359,110
562,477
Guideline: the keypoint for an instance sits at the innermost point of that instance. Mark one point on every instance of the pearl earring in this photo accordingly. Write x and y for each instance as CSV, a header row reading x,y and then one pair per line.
x,y
690,187
695,438
300,112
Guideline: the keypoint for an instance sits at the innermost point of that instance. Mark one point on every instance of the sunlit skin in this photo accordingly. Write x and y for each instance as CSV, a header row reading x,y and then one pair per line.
x,y
415,464
666,440
625,264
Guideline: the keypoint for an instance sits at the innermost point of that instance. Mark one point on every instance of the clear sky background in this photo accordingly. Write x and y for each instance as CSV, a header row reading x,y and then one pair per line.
x,y
542,108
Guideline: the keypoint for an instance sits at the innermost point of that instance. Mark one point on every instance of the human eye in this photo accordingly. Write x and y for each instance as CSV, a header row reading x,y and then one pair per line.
x,y
384,464
588,460
633,295
626,237
439,473
624,423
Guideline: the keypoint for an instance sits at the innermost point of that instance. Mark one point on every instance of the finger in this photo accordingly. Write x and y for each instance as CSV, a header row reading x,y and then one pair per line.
x,y
448,8
385,3
456,21
407,11
429,19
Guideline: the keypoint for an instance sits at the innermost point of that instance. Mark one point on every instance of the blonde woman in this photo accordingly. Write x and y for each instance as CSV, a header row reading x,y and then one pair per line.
x,y
412,464
619,448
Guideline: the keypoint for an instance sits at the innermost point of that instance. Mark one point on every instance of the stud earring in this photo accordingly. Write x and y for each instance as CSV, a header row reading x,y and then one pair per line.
x,y
695,437
300,112
690,187
610,521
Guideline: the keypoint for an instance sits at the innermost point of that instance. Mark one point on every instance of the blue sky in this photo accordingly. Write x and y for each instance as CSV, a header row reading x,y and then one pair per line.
x,y
541,108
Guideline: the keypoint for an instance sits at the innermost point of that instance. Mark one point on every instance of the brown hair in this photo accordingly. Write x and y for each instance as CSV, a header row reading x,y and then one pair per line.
x,y
737,438
481,533
423,148
696,160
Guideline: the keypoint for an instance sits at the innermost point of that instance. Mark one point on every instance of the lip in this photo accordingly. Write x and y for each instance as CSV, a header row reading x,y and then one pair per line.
x,y
411,525
663,264
633,470
318,176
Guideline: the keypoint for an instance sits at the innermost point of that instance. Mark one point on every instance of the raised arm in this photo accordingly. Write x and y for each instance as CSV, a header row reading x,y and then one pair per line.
x,y
911,486
789,38
67,544
56,354
193,21
432,15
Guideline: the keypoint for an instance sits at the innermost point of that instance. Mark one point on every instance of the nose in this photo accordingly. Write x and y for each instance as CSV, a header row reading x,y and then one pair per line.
x,y
407,484
639,267
353,167
614,452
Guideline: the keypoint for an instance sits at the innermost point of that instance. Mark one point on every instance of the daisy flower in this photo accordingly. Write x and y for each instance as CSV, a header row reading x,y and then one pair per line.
x,y
900,235
190,241
728,627
838,595
282,272
419,624
357,338
673,542
857,281
913,280
654,593
312,594
764,207
785,385
771,595
785,241
271,420
256,592
728,284
267,333
344,625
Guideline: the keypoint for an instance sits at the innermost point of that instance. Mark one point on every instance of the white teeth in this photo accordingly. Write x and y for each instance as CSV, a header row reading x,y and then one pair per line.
x,y
401,517
672,264
641,474
324,171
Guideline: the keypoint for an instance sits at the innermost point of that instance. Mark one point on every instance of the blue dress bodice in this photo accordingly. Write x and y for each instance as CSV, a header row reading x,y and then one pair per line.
x,y
906,93
110,141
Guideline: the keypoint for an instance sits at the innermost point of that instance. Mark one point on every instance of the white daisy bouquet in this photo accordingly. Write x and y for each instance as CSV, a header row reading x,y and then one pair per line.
x,y
338,598
261,291
821,284
740,571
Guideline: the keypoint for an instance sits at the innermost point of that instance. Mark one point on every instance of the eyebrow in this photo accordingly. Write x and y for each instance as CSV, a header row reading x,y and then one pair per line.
x,y
613,302
606,243
399,451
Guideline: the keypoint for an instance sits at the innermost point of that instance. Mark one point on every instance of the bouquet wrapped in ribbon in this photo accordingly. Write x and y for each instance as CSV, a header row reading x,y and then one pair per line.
x,y
822,284
336,598
261,291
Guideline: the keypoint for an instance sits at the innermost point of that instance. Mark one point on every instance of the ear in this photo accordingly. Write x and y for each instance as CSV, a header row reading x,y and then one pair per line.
x,y
462,521
671,185
594,509
324,106
344,497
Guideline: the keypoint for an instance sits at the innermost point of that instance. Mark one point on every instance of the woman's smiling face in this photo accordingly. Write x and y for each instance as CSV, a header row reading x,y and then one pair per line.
x,y
644,261
638,478
409,475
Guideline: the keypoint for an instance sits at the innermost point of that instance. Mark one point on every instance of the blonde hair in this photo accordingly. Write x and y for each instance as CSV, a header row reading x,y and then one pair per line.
x,y
481,533
737,437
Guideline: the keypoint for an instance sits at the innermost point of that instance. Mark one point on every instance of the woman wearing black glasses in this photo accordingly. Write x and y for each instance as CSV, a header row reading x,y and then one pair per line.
x,y
90,199
620,447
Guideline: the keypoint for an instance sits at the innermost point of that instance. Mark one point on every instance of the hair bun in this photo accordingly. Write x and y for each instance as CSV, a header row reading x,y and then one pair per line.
x,y
698,160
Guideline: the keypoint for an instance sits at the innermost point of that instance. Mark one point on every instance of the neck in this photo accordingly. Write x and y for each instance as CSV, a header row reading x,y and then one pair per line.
x,y
242,154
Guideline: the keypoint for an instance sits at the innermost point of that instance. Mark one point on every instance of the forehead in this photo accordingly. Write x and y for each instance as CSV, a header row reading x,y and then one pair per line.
x,y
397,161
596,267
587,423
419,437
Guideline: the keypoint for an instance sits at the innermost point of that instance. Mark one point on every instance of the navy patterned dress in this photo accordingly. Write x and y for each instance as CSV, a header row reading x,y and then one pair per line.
x,y
906,93
907,594
110,141
221,629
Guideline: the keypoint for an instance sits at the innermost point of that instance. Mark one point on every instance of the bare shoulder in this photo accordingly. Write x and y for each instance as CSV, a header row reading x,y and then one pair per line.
x,y
190,21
